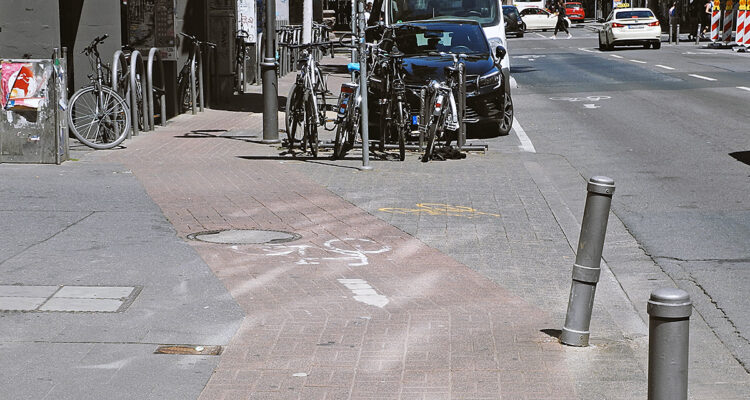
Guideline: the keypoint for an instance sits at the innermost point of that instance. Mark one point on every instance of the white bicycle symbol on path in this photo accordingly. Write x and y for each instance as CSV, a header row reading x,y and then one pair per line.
x,y
587,98
356,251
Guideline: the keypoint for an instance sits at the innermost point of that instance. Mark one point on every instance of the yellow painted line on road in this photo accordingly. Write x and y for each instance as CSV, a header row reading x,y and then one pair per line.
x,y
664,66
702,77
439,209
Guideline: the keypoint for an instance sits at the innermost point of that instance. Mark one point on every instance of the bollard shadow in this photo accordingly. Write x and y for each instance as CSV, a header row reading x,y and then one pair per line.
x,y
211,134
555,333
741,156
302,158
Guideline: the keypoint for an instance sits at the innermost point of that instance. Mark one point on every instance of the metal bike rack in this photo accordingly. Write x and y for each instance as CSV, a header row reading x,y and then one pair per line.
x,y
135,61
196,64
119,61
153,55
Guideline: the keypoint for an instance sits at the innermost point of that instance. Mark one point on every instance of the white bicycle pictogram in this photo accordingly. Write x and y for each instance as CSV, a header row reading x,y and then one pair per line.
x,y
355,251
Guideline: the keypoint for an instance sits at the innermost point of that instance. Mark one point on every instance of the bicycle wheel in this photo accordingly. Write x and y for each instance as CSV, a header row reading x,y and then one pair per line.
x,y
311,125
99,126
433,131
385,124
402,127
294,117
185,101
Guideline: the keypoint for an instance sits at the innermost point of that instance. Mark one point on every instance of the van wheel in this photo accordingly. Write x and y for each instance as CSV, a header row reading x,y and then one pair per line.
x,y
656,45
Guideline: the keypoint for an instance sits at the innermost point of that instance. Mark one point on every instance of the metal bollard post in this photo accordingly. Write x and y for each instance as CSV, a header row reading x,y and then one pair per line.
x,y
363,86
671,32
698,35
669,312
586,268
270,88
677,35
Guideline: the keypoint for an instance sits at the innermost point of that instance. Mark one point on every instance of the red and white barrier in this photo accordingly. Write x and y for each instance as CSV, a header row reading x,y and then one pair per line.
x,y
746,34
726,32
715,18
741,15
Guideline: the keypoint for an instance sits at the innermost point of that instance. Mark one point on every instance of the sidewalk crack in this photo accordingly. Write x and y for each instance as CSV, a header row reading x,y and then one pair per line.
x,y
47,239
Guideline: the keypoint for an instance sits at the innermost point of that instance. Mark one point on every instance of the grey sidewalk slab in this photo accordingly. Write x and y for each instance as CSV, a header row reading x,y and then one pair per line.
x,y
87,233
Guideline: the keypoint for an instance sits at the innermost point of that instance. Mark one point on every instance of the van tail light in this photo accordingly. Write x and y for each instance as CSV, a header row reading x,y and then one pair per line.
x,y
655,23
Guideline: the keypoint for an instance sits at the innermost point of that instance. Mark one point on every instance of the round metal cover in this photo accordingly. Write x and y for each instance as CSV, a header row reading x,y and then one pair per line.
x,y
244,236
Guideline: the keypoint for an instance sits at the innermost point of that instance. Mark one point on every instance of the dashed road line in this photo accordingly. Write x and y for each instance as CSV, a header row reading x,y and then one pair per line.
x,y
665,67
743,88
616,56
587,50
638,61
702,77
526,144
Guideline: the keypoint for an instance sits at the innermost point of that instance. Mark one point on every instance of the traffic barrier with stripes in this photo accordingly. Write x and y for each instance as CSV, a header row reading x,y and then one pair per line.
x,y
740,27
715,18
726,32
746,34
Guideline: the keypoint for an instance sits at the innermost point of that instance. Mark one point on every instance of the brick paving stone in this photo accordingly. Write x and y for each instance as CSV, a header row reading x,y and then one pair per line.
x,y
443,333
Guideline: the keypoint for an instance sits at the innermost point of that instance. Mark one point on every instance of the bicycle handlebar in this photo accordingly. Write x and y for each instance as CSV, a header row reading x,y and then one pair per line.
x,y
307,45
196,41
92,47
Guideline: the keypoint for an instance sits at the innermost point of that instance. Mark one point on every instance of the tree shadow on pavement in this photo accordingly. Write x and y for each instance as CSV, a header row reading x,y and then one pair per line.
x,y
304,159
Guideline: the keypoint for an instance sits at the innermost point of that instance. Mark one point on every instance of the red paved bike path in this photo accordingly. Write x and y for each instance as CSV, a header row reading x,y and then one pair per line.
x,y
445,332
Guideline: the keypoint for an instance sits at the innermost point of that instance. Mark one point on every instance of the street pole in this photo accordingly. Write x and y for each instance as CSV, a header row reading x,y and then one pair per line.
x,y
307,12
363,87
354,24
270,82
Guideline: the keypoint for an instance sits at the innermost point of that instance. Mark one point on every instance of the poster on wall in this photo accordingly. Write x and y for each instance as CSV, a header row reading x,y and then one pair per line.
x,y
151,24
246,19
282,10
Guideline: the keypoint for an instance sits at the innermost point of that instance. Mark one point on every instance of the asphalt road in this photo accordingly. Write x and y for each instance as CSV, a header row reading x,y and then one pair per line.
x,y
672,128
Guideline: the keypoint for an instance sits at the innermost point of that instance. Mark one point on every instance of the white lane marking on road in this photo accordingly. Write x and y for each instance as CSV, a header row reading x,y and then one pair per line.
x,y
586,50
616,56
702,77
364,293
743,88
540,35
638,61
526,144
664,66
592,106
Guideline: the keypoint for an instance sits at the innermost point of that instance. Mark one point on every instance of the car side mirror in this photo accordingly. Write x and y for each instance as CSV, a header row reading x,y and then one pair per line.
x,y
600,20
500,53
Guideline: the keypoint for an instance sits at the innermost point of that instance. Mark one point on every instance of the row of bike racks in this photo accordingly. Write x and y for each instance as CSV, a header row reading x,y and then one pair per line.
x,y
141,73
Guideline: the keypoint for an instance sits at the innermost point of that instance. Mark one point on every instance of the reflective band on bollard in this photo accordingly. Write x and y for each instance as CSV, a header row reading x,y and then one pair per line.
x,y
669,312
586,269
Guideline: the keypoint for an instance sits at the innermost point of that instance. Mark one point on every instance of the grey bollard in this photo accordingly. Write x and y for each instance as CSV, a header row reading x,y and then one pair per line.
x,y
669,312
588,257
677,35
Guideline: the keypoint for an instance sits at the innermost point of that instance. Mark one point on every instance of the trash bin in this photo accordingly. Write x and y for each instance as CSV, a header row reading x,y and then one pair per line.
x,y
33,98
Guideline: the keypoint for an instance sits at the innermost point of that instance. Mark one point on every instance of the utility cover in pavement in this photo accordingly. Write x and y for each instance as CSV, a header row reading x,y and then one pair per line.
x,y
191,350
244,236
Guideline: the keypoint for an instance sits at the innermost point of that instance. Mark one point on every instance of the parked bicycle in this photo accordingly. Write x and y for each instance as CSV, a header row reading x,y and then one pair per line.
x,y
97,115
241,61
306,101
440,117
388,82
348,115
185,99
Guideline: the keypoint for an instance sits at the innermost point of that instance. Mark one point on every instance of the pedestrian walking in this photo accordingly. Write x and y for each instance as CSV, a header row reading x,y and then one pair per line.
x,y
674,20
562,24
709,7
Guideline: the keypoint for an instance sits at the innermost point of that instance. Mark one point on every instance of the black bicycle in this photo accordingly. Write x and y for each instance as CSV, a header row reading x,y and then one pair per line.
x,y
185,99
241,61
388,82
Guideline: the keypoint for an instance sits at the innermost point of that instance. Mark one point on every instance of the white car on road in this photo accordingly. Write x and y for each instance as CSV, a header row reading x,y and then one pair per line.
x,y
539,19
630,26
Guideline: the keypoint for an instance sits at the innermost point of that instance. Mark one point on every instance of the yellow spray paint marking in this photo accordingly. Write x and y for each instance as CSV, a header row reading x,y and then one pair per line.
x,y
439,209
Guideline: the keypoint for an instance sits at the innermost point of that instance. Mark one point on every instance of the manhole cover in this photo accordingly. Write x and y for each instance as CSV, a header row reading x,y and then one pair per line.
x,y
244,236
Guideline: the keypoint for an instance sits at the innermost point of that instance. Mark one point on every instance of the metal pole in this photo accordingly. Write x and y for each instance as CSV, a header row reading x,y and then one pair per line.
x,y
586,268
698,35
353,24
669,312
193,95
270,82
363,87
307,17
677,35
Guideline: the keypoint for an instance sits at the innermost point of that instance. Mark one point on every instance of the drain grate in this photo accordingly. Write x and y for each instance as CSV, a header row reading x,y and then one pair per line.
x,y
189,350
244,236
